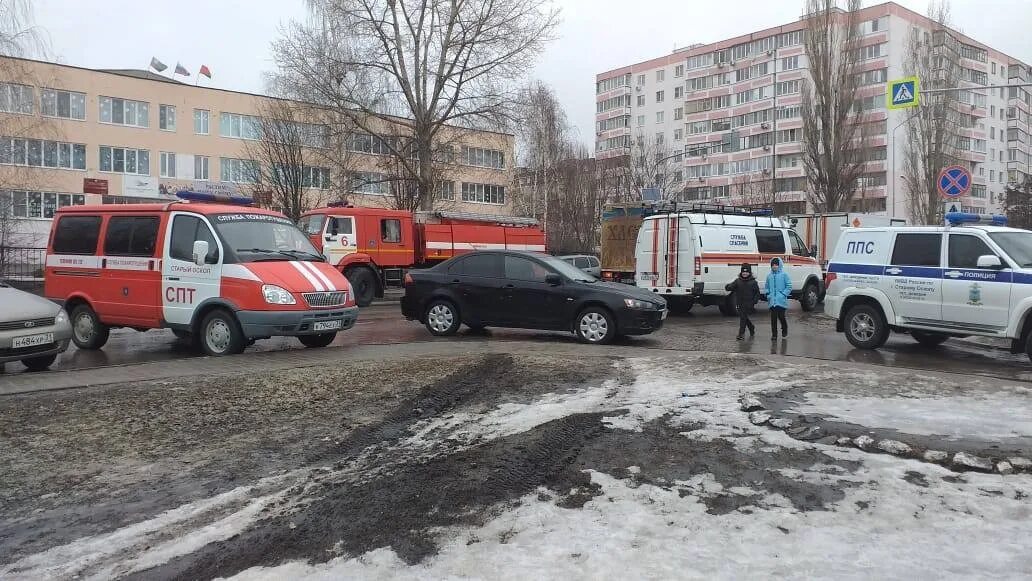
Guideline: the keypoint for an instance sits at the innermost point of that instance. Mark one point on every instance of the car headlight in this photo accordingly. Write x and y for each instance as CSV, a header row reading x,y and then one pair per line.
x,y
61,318
636,304
275,295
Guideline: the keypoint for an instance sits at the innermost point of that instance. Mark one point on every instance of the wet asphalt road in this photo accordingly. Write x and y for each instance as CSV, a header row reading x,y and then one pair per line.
x,y
704,329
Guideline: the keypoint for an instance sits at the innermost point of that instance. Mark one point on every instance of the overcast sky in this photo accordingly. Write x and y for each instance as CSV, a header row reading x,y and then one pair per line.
x,y
232,38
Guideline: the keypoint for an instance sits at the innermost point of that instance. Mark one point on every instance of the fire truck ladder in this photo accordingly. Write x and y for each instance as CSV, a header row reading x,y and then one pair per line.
x,y
671,257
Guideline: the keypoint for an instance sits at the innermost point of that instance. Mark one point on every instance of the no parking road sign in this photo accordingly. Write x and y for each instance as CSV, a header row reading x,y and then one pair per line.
x,y
954,181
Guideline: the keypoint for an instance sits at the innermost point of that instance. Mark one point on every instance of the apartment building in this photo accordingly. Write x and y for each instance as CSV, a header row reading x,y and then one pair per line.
x,y
72,135
728,113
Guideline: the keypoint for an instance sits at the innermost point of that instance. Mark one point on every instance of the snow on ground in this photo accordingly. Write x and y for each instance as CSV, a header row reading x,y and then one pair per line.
x,y
990,415
887,527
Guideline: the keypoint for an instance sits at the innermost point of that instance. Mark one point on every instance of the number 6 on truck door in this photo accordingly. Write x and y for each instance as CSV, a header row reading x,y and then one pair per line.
x,y
185,284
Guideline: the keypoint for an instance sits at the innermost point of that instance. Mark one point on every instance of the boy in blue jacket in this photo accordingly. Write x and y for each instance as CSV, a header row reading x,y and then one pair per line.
x,y
778,288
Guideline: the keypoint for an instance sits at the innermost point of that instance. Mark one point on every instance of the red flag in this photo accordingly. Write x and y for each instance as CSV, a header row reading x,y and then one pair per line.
x,y
205,71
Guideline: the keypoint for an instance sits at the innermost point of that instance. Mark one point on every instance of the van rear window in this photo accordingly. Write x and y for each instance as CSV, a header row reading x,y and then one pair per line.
x,y
77,235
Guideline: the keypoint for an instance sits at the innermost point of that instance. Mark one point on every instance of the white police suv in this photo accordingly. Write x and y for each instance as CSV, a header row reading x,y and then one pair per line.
x,y
971,277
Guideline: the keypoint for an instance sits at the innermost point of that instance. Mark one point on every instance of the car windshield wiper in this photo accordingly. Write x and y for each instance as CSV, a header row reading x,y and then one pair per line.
x,y
302,253
265,251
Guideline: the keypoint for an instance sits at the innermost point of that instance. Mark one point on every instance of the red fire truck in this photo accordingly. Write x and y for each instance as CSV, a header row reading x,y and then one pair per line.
x,y
374,247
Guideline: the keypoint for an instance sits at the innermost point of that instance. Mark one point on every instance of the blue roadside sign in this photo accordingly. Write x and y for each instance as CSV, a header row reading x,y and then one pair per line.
x,y
903,93
954,181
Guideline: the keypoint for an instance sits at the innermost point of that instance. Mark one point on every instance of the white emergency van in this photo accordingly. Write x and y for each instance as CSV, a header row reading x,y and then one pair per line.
x,y
689,256
971,277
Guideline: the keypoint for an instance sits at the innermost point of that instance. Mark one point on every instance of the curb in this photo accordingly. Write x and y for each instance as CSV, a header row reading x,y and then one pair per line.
x,y
958,462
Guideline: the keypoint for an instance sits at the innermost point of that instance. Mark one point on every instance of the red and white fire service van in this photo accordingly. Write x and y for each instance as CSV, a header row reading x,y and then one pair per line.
x,y
374,247
220,275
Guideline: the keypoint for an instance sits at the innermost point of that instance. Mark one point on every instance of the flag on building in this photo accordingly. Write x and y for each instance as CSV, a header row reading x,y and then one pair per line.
x,y
205,71
157,65
181,70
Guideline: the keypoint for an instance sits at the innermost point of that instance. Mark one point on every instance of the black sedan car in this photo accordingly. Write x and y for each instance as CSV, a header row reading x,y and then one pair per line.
x,y
527,291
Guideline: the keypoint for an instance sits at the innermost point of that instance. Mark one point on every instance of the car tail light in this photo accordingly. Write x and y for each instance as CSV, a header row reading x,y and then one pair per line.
x,y
698,266
828,279
408,280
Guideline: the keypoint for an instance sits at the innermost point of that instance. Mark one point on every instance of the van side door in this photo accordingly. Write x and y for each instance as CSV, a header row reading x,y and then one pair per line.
x,y
186,285
131,270
974,298
913,278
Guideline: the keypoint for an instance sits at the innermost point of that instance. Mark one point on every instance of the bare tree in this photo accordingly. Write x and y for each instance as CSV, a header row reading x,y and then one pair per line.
x,y
1017,204
418,68
931,129
753,190
300,162
19,37
652,165
831,118
543,145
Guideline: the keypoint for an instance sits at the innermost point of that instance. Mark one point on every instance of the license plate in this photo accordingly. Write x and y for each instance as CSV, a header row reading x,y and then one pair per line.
x,y
32,340
326,326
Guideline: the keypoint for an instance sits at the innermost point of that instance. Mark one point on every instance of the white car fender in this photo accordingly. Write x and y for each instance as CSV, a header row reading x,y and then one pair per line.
x,y
876,294
1018,314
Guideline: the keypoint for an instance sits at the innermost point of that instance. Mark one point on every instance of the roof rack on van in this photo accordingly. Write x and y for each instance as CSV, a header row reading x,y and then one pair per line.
x,y
217,198
731,210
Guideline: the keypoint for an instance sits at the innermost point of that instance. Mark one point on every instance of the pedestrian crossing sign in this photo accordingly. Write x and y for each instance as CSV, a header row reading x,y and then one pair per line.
x,y
903,93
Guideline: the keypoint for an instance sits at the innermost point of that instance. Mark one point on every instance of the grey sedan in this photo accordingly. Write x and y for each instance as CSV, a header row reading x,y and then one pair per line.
x,y
33,330
585,262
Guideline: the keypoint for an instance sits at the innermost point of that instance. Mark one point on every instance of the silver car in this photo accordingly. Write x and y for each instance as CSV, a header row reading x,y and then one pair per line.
x,y
33,330
587,263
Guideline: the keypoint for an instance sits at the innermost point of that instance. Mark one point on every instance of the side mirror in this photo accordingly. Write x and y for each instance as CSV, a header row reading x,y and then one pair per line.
x,y
200,252
990,261
813,251
553,279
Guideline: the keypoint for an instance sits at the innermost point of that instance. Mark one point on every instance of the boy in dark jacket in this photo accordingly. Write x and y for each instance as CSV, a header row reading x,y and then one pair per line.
x,y
747,294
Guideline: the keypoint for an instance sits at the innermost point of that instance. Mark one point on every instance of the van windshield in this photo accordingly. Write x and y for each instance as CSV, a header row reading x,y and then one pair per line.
x,y
1017,245
261,237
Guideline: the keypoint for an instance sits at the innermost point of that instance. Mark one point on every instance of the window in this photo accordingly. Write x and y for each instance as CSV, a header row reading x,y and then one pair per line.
x,y
185,231
659,138
313,224
390,230
659,116
371,144
365,182
168,165
791,38
641,120
798,246
789,135
519,268
482,265
166,117
480,157
965,250
63,104
54,154
124,112
315,177
917,250
17,98
200,167
606,85
679,92
790,63
770,241
241,171
641,100
679,71
77,235
131,236
660,96
123,160
36,204
483,193
678,134
660,75
239,126
788,87
641,79
200,121
338,225
874,77
870,52
446,191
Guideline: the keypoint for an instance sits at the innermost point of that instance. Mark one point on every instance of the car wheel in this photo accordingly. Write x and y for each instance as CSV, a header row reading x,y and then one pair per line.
x,y
442,318
87,330
727,307
866,327
595,325
221,335
363,284
316,341
810,297
929,339
679,305
40,363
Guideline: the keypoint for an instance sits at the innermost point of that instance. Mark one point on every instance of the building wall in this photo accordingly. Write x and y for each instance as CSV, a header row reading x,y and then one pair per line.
x,y
884,191
183,141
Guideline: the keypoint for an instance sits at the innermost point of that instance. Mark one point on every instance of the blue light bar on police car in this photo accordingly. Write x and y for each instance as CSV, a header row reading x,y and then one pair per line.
x,y
210,197
958,218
